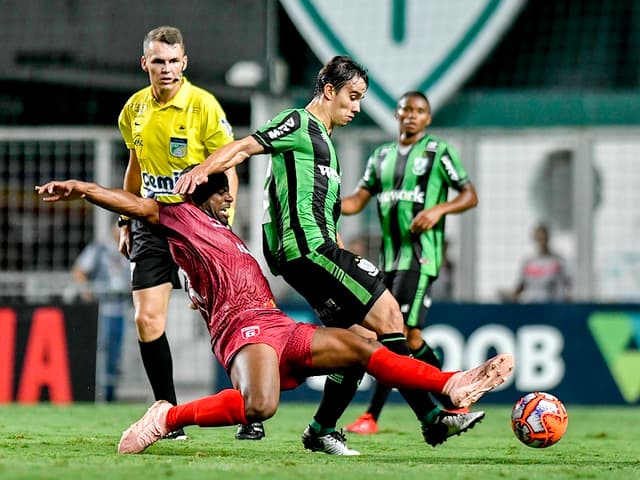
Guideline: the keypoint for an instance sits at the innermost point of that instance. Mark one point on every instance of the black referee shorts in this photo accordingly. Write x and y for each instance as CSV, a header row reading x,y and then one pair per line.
x,y
151,260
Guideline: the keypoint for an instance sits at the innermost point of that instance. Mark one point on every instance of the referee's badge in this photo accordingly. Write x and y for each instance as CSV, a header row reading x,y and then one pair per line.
x,y
420,165
178,147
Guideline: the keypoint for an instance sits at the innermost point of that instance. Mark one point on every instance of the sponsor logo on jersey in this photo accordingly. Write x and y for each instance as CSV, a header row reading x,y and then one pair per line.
x,y
138,108
287,126
432,146
367,266
329,173
178,147
416,195
250,332
420,165
448,166
137,141
159,184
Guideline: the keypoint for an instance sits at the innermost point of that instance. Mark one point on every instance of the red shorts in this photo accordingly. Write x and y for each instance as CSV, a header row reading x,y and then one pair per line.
x,y
290,340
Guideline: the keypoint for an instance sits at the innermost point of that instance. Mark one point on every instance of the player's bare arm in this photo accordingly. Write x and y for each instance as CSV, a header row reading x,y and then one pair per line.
x,y
428,218
221,160
232,177
116,200
355,202
132,175
131,183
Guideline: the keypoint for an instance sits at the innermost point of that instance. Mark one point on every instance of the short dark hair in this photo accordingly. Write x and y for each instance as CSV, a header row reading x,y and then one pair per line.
x,y
164,34
415,93
215,182
337,72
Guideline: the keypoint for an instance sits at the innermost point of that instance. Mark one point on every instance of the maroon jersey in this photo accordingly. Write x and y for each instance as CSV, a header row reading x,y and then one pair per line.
x,y
226,282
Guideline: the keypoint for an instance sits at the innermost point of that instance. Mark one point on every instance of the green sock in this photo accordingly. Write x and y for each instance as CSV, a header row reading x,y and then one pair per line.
x,y
318,428
431,416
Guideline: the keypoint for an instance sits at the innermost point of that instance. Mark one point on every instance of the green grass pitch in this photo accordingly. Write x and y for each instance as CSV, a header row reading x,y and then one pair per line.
x,y
79,442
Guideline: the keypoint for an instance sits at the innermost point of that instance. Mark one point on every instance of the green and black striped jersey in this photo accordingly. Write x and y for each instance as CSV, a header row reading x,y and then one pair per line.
x,y
302,188
406,182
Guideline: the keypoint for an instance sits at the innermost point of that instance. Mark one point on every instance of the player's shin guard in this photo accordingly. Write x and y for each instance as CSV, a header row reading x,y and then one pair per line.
x,y
219,410
403,372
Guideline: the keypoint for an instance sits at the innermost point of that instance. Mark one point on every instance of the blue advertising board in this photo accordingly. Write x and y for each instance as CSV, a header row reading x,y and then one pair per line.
x,y
582,353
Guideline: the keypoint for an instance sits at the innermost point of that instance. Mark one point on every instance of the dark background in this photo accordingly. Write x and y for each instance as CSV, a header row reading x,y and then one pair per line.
x,y
76,63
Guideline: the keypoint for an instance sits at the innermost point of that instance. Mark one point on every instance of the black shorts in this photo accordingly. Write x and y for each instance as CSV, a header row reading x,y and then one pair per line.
x,y
412,291
341,287
151,260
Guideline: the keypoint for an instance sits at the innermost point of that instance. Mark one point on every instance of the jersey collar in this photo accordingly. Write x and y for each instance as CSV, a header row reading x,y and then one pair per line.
x,y
181,100
182,97
317,120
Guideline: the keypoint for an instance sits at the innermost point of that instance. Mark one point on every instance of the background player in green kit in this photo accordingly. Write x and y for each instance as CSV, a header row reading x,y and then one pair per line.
x,y
410,179
301,242
167,126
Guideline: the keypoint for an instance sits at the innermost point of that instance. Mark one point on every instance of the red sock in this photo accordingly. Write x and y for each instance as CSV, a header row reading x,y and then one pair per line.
x,y
399,371
219,410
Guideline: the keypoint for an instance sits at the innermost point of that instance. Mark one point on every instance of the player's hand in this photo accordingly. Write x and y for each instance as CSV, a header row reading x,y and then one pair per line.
x,y
124,242
60,191
188,181
425,220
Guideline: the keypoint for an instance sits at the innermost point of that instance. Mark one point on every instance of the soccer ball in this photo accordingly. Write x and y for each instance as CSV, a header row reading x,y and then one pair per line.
x,y
539,419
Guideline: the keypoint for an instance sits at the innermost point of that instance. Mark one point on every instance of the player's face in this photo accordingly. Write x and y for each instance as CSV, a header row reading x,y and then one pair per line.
x,y
218,205
346,101
164,63
413,115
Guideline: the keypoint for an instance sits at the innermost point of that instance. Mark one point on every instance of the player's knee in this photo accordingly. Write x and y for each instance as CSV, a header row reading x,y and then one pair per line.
x,y
258,408
363,352
385,318
148,327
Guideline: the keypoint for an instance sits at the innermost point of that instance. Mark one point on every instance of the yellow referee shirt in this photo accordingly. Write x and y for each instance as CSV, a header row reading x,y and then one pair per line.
x,y
168,138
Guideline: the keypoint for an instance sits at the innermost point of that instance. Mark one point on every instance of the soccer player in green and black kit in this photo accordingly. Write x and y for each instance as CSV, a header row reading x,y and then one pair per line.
x,y
301,242
410,179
